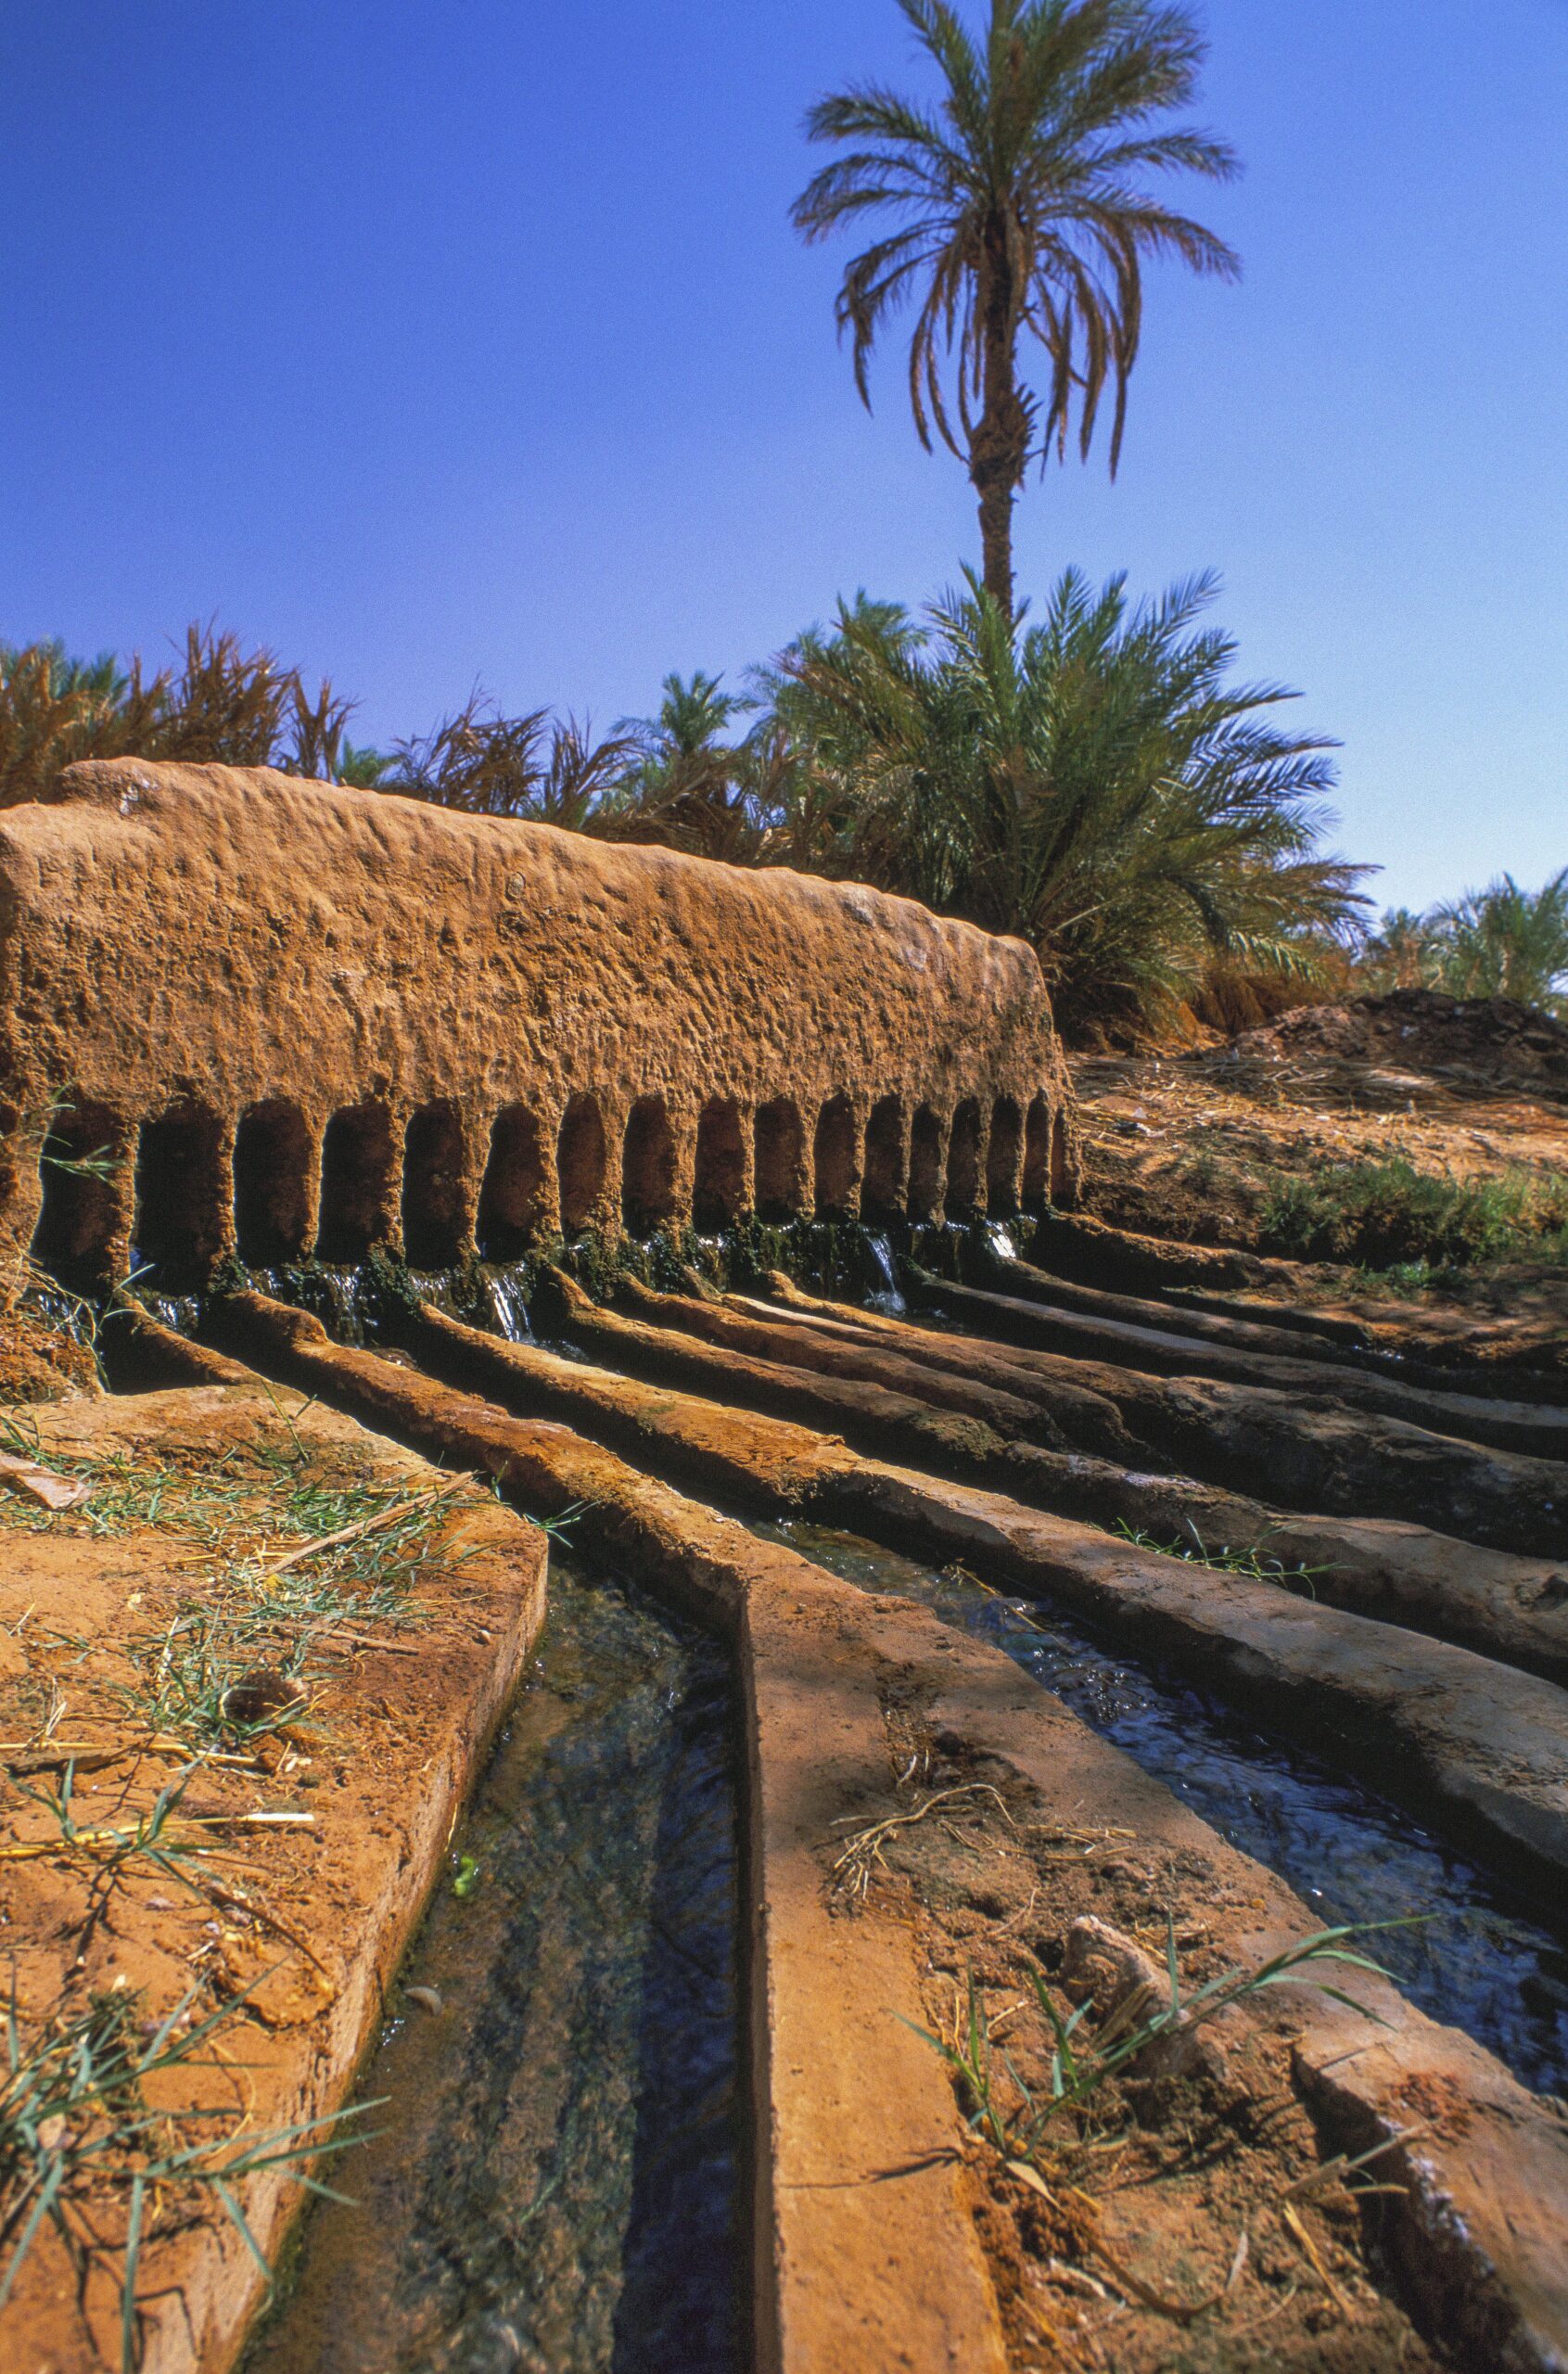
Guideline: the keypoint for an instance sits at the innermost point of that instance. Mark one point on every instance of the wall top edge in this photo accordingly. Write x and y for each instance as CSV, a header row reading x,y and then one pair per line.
x,y
258,818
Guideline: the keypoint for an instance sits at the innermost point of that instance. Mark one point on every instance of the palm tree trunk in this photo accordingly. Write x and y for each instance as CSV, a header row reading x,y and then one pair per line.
x,y
999,447
995,484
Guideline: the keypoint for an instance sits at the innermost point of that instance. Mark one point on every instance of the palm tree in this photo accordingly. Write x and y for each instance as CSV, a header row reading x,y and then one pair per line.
x,y
1505,942
1501,942
1023,205
1401,953
228,705
535,768
1093,783
693,789
55,710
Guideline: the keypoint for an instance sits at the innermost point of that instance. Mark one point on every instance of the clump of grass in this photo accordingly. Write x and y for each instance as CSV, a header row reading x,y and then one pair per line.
x,y
1016,2121
1200,1169
353,1557
1390,1217
81,2151
272,1618
150,1838
1253,1563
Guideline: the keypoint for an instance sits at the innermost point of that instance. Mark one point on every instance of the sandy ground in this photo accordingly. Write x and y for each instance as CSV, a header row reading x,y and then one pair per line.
x,y
1185,1147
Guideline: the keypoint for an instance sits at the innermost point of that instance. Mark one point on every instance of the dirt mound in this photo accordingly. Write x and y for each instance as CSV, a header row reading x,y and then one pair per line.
x,y
1488,1047
40,1363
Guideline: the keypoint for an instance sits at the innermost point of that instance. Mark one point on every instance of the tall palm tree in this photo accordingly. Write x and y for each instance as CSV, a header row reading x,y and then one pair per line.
x,y
1022,204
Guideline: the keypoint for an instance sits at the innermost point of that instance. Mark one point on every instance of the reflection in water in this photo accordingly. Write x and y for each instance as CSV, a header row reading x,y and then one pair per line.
x,y
554,2188
1479,1963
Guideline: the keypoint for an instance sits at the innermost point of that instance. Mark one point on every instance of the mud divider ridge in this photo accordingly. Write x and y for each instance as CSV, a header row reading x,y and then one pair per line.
x,y
1472,1744
868,2260
200,2286
866,2257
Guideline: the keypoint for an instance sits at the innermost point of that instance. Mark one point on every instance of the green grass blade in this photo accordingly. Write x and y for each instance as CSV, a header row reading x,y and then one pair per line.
x,y
128,2282
242,2228
41,2209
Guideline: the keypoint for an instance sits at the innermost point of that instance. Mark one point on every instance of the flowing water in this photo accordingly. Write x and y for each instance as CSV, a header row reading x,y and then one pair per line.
x,y
555,2184
883,1294
343,1296
1479,1961
557,2188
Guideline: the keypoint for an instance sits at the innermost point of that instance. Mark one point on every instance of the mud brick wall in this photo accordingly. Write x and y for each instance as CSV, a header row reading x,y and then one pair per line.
x,y
297,1018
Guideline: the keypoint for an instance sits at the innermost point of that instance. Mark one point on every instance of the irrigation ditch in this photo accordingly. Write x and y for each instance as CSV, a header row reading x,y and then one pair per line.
x,y
554,2181
987,1729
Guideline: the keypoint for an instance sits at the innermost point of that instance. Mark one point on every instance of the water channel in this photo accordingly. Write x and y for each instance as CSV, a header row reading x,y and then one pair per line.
x,y
555,2182
1477,1962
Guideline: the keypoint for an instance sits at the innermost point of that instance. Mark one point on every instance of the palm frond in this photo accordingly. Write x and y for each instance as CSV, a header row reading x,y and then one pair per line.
x,y
1094,782
1024,206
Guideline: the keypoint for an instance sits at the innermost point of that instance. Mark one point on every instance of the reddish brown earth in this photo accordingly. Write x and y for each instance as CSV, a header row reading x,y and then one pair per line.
x,y
1183,1148
298,1853
40,1363
1439,1051
1147,2230
858,1709
188,950
862,1711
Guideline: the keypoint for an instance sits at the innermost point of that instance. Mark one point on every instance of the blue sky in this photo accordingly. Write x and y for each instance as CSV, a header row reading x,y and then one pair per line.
x,y
436,340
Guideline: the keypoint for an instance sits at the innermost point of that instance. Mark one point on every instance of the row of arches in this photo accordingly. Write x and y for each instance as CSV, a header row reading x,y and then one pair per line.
x,y
292,1194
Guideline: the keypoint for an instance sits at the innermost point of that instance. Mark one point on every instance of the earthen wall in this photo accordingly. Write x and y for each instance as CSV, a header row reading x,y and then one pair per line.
x,y
291,1017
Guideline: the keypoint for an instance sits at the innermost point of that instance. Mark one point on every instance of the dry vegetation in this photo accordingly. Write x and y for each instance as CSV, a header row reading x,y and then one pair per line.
x,y
1149,2191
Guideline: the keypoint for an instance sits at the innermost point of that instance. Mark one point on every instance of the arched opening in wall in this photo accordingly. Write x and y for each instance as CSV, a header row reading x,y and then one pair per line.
x,y
581,1158
1037,1156
432,1187
648,1168
178,1227
720,1165
511,1201
356,1179
1003,1157
781,1160
883,1187
272,1198
963,1159
833,1159
78,1170
1061,1162
926,1164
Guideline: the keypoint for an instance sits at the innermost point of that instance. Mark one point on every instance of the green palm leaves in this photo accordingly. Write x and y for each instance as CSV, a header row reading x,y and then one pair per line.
x,y
1501,942
1094,784
1022,206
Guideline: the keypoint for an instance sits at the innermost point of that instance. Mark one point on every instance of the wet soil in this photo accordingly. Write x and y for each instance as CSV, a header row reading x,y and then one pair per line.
x,y
1233,2110
1182,2215
554,2182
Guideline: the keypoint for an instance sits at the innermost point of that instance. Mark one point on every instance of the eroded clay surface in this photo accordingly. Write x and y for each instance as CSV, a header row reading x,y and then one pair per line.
x,y
228,955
